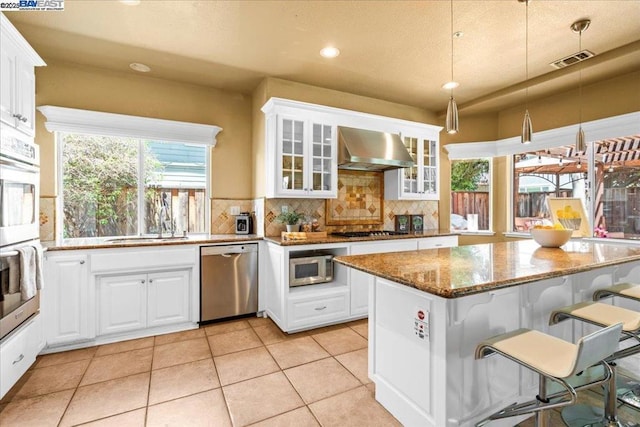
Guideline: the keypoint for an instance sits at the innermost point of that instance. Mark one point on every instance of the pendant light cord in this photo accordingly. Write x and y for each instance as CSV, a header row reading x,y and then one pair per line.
x,y
580,79
451,35
526,55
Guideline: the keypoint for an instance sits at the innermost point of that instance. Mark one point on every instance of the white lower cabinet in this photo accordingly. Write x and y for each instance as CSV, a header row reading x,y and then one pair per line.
x,y
312,310
65,298
137,301
18,352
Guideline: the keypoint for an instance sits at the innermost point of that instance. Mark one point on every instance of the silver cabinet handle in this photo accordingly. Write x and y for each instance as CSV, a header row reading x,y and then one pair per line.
x,y
320,308
438,244
17,116
142,281
19,314
18,359
23,119
81,262
150,280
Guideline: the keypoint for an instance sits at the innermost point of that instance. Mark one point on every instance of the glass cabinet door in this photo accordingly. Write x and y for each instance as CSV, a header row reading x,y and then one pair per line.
x,y
410,181
429,169
321,157
292,154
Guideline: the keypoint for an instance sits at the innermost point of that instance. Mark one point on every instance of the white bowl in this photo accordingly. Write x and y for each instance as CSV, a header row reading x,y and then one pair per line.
x,y
551,238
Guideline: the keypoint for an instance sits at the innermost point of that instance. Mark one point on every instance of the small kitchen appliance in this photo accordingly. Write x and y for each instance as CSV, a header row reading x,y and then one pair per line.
x,y
244,223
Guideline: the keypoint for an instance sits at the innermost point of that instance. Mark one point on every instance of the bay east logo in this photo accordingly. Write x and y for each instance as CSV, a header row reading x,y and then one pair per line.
x,y
37,5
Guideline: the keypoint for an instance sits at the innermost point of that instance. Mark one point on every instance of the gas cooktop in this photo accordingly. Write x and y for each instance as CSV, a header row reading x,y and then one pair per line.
x,y
371,233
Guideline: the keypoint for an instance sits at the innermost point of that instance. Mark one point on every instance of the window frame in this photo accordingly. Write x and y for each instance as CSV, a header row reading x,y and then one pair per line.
x,y
596,130
69,120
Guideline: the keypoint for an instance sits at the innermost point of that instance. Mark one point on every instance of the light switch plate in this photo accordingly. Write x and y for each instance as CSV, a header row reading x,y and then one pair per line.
x,y
234,210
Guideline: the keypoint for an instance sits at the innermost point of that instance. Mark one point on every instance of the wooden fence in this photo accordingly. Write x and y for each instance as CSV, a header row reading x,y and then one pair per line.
x,y
476,202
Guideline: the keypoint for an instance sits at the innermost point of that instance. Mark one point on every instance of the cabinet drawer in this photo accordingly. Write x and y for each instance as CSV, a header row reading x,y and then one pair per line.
x,y
315,311
17,354
438,242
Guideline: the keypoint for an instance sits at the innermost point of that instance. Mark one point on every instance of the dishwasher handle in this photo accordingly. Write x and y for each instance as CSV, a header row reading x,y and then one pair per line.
x,y
228,250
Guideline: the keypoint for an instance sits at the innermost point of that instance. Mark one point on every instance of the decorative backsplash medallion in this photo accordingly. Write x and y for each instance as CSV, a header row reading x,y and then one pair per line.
x,y
360,199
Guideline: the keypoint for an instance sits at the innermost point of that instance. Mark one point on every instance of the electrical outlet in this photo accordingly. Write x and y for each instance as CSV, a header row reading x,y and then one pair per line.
x,y
235,210
285,208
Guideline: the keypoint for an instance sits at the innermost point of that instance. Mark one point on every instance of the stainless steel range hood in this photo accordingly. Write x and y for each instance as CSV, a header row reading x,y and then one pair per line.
x,y
360,149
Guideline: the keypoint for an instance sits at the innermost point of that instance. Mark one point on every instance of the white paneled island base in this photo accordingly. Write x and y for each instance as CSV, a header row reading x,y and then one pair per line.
x,y
421,345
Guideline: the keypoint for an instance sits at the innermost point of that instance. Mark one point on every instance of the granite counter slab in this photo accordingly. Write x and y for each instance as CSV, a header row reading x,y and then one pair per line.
x,y
337,239
466,270
105,243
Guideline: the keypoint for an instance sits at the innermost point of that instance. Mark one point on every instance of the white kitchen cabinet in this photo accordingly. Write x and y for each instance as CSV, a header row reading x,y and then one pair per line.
x,y
18,352
17,79
418,182
438,242
301,154
359,280
65,303
168,298
137,301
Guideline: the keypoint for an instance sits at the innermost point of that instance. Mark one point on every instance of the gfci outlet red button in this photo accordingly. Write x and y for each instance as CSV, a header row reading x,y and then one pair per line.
x,y
421,315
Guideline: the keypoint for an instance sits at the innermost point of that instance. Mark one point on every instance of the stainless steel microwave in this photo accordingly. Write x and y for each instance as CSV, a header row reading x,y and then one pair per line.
x,y
309,270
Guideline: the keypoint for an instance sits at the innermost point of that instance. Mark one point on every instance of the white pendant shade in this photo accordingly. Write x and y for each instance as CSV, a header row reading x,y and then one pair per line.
x,y
527,129
452,116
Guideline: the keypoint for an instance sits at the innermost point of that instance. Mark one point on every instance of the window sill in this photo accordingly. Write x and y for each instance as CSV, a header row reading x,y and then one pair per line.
x,y
631,242
475,233
517,234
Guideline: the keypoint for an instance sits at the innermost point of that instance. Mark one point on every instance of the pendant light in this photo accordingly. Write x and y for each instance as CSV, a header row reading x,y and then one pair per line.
x,y
580,27
452,107
527,129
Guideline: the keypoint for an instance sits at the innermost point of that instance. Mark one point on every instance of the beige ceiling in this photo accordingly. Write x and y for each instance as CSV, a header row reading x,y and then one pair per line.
x,y
398,51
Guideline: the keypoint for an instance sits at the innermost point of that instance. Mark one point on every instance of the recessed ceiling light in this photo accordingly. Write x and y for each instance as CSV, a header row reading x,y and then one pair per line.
x,y
450,85
140,67
330,52
130,2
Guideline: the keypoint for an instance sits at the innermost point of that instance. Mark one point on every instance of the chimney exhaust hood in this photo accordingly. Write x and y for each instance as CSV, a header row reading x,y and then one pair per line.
x,y
366,150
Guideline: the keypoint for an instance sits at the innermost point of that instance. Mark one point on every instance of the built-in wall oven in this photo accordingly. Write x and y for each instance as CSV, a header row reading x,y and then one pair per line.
x,y
19,226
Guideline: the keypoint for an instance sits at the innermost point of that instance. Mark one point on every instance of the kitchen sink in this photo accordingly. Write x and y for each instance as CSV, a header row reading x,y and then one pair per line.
x,y
143,239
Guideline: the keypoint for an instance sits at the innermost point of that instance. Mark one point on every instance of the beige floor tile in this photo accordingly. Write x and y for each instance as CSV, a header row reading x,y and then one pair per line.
x,y
179,336
52,378
260,398
340,341
128,419
353,408
41,411
120,347
101,400
243,365
320,379
357,363
234,341
180,352
259,321
182,380
300,417
225,327
270,334
65,357
118,365
296,352
362,330
198,410
327,329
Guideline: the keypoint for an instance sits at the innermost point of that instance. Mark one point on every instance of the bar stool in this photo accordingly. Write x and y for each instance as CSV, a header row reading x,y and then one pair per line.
x,y
624,290
553,359
603,315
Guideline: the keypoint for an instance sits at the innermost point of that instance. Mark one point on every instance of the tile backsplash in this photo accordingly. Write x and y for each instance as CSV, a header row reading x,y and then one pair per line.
x,y
266,210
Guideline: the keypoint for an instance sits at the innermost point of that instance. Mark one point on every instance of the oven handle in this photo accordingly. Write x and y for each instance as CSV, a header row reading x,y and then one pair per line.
x,y
19,165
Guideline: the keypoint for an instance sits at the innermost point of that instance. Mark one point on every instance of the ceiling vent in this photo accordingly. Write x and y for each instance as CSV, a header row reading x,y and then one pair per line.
x,y
572,59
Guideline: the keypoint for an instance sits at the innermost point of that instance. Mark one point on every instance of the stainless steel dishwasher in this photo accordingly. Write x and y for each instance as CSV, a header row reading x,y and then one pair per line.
x,y
228,281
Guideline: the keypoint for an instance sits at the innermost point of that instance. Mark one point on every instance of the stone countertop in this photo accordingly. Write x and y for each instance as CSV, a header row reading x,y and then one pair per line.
x,y
466,270
337,239
105,243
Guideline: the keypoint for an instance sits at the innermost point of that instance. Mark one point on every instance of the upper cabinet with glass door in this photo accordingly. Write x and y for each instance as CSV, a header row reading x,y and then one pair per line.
x,y
301,154
419,182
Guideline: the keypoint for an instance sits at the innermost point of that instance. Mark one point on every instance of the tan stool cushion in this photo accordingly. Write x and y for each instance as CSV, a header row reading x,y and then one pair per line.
x,y
605,315
550,355
629,289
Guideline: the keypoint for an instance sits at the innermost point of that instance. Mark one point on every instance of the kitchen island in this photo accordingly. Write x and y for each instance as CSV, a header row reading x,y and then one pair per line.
x,y
428,309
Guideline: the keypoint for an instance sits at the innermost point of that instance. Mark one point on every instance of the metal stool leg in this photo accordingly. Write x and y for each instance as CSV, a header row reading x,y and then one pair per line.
x,y
542,417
